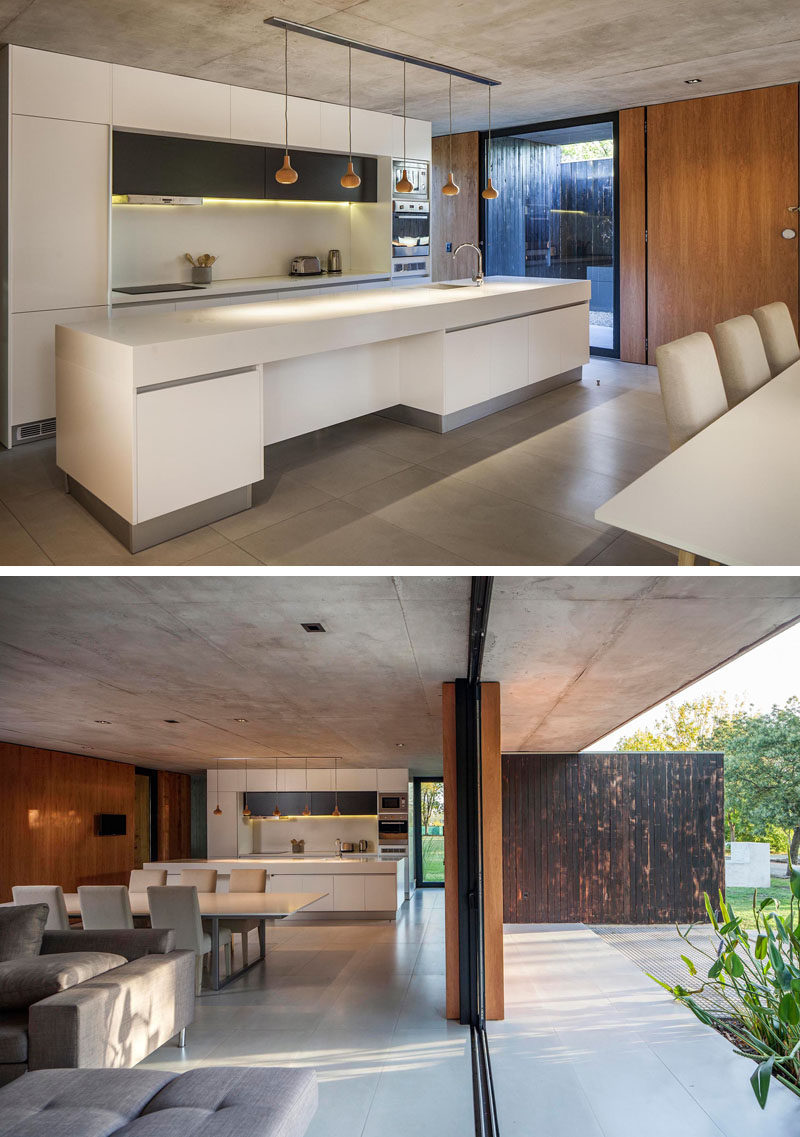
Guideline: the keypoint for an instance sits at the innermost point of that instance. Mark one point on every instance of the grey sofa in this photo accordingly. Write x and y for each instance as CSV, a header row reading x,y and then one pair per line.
x,y
212,1101
140,994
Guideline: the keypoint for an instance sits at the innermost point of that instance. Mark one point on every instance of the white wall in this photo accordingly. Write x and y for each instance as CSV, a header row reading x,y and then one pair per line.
x,y
319,834
251,239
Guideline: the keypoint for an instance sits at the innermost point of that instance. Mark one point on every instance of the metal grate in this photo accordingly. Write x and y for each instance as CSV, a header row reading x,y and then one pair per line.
x,y
31,431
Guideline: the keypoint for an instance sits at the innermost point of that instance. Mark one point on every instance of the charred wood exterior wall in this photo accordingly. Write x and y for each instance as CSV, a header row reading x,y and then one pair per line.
x,y
611,838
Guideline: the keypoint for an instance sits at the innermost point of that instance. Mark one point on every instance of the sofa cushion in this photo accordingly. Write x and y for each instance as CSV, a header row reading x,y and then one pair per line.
x,y
21,930
76,1103
133,943
13,1037
25,981
230,1101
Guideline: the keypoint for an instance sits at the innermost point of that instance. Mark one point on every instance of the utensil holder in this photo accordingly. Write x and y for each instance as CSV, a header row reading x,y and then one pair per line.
x,y
201,275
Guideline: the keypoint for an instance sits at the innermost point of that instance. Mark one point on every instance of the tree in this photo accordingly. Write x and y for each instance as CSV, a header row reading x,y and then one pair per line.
x,y
698,724
762,770
431,803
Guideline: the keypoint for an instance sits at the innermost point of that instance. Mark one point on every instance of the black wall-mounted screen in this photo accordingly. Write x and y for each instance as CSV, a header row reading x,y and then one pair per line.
x,y
111,824
159,165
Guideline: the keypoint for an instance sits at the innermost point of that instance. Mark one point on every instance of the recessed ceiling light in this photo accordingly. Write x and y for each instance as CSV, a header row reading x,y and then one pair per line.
x,y
691,82
172,720
102,722
399,745
240,720
313,627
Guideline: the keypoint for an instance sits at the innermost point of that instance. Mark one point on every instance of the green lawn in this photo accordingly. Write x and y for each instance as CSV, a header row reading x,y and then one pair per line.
x,y
742,899
433,859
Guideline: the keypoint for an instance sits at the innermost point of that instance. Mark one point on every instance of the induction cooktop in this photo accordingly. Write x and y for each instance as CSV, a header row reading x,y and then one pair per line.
x,y
138,289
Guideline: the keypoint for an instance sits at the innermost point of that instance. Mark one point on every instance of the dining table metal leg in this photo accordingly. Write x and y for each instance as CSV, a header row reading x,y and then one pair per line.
x,y
262,939
215,953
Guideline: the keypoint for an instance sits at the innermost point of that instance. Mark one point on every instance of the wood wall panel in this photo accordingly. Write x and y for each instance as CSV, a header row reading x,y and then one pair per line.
x,y
174,818
47,819
450,850
492,807
632,221
721,172
454,219
611,838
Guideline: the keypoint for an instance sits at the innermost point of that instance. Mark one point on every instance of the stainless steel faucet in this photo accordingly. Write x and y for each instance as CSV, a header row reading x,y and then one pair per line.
x,y
478,277
338,846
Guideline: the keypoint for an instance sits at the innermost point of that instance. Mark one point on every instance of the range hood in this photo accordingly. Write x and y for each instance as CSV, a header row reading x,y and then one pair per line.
x,y
153,199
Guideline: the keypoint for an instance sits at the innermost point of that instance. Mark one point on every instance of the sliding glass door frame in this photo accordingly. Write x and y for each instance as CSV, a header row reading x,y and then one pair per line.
x,y
558,124
418,858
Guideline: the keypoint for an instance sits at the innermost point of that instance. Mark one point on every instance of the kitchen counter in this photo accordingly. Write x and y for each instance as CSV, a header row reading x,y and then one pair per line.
x,y
367,884
249,284
249,375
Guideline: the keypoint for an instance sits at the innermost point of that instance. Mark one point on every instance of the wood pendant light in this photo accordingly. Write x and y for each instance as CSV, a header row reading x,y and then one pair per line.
x,y
404,185
217,810
306,808
489,193
350,179
246,808
450,189
335,811
286,176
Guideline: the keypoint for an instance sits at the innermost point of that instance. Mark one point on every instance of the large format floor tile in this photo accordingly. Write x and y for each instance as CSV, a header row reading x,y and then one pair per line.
x,y
518,487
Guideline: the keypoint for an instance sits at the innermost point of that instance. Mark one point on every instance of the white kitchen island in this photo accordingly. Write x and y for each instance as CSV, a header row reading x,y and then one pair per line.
x,y
371,885
163,419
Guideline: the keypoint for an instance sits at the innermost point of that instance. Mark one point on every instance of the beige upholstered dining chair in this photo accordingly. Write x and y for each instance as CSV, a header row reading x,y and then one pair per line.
x,y
50,894
105,906
742,359
204,880
780,339
176,906
245,880
141,879
692,392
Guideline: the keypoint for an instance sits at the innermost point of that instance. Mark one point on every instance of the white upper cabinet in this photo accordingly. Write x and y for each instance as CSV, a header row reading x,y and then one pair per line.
x,y
320,779
174,104
49,85
231,779
418,138
393,781
334,129
260,780
372,132
291,781
59,210
357,780
258,116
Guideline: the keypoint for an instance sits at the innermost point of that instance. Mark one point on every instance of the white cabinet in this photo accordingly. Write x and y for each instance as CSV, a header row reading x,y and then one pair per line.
x,y
299,293
393,780
258,116
231,779
286,883
49,85
142,309
318,884
291,781
357,780
366,285
196,440
59,214
372,132
380,892
320,779
559,341
418,138
32,360
348,893
261,780
222,830
174,104
334,127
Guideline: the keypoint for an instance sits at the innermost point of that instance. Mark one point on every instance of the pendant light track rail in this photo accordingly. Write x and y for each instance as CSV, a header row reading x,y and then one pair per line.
x,y
371,49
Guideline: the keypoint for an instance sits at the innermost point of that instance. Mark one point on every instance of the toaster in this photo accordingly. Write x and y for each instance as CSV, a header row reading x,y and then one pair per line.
x,y
306,266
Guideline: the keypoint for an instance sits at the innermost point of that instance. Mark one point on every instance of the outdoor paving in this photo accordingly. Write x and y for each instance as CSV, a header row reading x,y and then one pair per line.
x,y
591,1046
657,949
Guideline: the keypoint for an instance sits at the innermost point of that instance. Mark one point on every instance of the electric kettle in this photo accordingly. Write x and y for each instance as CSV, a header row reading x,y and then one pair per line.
x,y
334,260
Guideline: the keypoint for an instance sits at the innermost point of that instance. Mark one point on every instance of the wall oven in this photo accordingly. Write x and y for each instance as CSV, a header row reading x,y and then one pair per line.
x,y
393,830
411,239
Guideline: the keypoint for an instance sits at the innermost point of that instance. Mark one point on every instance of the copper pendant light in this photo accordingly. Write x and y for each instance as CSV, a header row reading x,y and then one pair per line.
x,y
335,812
246,809
307,808
277,810
217,810
404,185
286,175
490,193
350,180
450,189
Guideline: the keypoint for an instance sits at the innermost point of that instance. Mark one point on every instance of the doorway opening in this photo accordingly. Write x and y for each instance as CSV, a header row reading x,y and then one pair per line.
x,y
429,832
558,185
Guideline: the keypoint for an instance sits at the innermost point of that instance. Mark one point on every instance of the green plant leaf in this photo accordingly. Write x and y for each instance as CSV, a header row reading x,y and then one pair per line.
x,y
690,964
715,969
761,947
733,965
768,902
788,1010
761,1079
794,880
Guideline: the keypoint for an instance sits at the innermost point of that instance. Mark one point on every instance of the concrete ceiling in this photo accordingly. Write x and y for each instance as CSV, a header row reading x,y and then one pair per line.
x,y
580,656
576,656
554,60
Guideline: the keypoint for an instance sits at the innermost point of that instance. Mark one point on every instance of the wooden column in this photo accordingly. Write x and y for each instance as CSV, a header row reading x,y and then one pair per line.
x,y
491,777
454,219
632,248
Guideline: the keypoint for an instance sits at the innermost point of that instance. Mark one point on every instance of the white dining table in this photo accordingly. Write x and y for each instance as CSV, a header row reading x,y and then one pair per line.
x,y
216,906
731,493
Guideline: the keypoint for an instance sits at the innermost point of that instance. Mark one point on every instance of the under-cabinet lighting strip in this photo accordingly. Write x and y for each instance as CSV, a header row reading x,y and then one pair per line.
x,y
371,49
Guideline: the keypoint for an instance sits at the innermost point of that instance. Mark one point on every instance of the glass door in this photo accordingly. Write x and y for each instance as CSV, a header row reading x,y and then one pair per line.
x,y
557,215
429,832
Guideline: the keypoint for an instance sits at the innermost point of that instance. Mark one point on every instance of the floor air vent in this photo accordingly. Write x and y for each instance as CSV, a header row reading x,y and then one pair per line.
x,y
30,431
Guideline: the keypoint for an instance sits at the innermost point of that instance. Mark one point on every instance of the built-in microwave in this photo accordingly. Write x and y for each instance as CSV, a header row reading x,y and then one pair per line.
x,y
392,803
417,174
